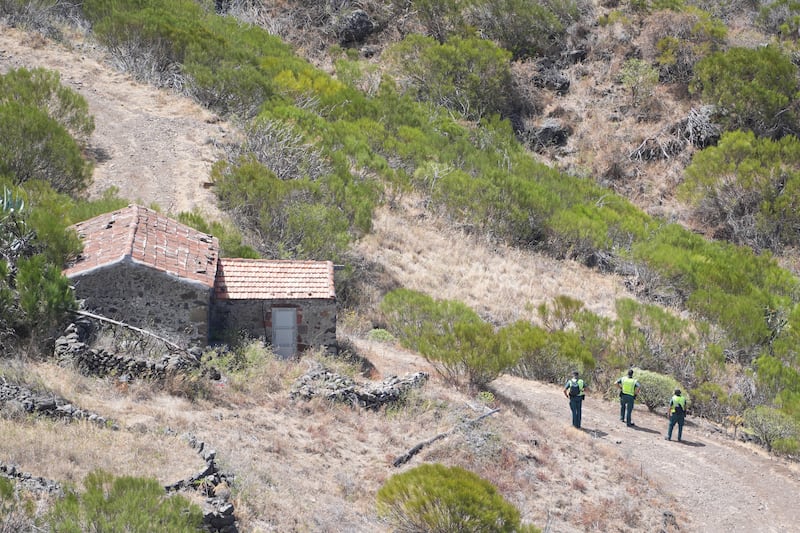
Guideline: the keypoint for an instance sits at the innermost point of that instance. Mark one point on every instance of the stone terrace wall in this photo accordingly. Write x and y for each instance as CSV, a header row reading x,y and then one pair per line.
x,y
141,296
71,349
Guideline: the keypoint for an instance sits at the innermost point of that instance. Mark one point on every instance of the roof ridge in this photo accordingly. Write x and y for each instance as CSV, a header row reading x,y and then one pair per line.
x,y
134,229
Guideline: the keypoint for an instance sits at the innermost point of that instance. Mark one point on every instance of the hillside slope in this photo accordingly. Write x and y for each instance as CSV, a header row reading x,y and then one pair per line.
x,y
316,468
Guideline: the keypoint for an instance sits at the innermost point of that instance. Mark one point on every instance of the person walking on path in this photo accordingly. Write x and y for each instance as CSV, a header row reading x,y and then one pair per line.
x,y
628,390
575,391
677,414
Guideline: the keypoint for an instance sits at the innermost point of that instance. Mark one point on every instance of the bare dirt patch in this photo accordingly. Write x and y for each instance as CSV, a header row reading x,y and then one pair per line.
x,y
154,146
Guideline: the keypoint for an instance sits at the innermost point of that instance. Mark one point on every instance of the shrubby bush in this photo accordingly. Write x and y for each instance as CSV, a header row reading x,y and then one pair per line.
x,y
650,336
34,244
710,400
746,190
435,498
441,18
290,217
123,505
450,335
656,389
786,446
526,28
546,356
770,425
727,285
752,89
231,242
640,78
677,40
35,146
16,513
779,17
467,75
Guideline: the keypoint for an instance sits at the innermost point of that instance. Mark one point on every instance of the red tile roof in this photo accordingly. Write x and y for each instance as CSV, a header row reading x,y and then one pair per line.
x,y
245,279
144,236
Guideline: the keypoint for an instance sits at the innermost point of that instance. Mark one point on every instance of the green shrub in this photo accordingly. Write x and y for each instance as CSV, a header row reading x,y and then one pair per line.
x,y
380,335
712,401
780,17
747,189
527,28
17,510
470,76
34,244
450,335
545,356
727,285
656,389
441,18
33,146
786,446
45,296
752,89
656,339
640,78
41,89
123,505
230,238
770,425
435,498
682,39
44,127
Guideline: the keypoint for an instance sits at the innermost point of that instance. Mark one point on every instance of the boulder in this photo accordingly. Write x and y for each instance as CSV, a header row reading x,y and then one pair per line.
x,y
354,26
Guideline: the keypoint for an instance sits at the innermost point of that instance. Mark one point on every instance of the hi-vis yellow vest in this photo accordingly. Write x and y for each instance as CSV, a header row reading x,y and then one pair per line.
x,y
628,386
677,400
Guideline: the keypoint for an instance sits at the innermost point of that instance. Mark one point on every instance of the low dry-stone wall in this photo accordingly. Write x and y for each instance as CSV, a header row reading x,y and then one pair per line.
x,y
218,514
23,399
29,482
319,381
72,349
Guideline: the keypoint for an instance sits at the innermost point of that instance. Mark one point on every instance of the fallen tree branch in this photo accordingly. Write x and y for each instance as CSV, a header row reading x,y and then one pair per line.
x,y
406,457
133,328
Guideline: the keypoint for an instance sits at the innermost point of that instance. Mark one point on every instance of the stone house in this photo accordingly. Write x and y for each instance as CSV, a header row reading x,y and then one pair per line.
x,y
290,303
147,270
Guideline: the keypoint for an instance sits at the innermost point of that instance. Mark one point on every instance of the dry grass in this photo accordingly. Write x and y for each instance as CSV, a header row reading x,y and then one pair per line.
x,y
502,284
67,452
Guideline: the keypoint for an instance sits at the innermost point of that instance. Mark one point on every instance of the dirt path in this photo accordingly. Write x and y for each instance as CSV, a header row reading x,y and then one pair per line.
x,y
153,145
727,486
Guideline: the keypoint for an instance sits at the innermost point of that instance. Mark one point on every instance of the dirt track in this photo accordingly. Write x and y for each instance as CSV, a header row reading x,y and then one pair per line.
x,y
728,486
724,486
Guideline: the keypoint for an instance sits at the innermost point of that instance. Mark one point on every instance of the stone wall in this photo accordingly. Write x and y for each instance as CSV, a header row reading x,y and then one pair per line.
x,y
316,320
141,296
71,349
18,398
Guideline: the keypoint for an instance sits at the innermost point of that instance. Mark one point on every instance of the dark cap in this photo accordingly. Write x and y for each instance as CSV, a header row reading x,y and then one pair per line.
x,y
630,372
677,392
575,373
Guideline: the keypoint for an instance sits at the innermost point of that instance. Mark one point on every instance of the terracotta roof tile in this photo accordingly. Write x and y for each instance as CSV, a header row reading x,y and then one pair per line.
x,y
144,236
244,279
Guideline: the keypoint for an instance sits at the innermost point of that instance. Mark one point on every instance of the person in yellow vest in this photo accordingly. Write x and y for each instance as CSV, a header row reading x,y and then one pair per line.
x,y
677,414
575,391
628,390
